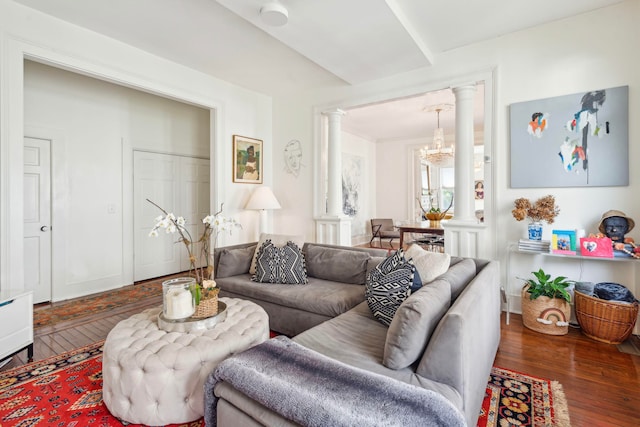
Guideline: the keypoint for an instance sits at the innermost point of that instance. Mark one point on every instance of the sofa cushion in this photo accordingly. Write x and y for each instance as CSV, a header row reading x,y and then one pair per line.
x,y
414,322
280,264
235,261
319,296
277,240
338,265
459,275
388,285
375,260
357,339
429,264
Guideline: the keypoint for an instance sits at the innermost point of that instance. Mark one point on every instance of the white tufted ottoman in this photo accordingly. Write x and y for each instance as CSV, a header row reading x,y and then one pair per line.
x,y
155,377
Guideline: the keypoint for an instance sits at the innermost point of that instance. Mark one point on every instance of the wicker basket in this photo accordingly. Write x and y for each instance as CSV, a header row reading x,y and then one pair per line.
x,y
208,305
545,315
606,321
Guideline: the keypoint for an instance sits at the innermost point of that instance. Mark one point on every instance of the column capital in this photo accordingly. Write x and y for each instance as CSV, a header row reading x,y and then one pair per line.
x,y
334,112
464,87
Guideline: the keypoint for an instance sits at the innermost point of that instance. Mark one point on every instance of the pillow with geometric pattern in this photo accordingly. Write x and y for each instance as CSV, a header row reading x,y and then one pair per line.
x,y
388,285
283,264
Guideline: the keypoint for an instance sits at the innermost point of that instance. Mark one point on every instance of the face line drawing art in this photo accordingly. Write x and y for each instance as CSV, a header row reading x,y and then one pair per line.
x,y
293,157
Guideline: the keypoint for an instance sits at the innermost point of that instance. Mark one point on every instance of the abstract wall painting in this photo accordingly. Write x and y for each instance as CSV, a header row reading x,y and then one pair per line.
x,y
351,183
578,140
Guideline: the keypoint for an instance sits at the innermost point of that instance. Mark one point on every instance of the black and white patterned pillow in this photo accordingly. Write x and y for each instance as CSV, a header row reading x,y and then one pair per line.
x,y
280,264
388,285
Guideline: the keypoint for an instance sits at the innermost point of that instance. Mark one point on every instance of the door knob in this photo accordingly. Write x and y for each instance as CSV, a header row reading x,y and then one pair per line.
x,y
44,228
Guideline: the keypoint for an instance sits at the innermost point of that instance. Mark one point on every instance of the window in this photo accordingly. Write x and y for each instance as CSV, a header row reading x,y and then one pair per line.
x,y
447,187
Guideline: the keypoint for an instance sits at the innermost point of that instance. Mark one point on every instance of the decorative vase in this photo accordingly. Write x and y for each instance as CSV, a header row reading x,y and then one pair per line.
x,y
535,231
545,315
177,299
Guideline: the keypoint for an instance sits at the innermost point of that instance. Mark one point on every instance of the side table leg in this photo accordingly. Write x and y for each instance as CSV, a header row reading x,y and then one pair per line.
x,y
30,353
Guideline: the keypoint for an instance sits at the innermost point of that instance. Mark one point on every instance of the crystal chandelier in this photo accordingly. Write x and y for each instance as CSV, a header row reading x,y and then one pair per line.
x,y
438,155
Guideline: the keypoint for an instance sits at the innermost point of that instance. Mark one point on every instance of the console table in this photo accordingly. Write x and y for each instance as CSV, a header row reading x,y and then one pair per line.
x,y
418,227
512,249
16,323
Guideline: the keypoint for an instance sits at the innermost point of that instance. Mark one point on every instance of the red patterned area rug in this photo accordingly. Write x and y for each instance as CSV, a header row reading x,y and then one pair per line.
x,y
61,391
515,399
66,391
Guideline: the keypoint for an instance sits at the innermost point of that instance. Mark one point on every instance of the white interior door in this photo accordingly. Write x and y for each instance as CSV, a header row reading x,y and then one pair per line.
x,y
178,184
194,198
37,218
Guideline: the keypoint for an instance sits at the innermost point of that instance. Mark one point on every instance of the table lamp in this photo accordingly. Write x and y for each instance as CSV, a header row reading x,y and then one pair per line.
x,y
262,199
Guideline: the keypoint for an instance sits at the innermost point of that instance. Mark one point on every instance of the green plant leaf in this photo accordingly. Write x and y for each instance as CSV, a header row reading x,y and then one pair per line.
x,y
196,292
545,286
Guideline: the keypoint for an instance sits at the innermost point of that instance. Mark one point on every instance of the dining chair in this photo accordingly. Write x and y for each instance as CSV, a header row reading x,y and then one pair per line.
x,y
383,228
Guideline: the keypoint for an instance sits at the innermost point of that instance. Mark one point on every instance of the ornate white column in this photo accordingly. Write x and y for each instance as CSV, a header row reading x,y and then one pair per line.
x,y
463,233
334,162
464,194
334,227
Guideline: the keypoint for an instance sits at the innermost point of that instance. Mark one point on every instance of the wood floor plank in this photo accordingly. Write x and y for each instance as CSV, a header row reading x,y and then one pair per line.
x,y
601,383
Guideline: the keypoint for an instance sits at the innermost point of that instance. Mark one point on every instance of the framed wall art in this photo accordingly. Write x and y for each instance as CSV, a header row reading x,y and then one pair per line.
x,y
247,160
578,140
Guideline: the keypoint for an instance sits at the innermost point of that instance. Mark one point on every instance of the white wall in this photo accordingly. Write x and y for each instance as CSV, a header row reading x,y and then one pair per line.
x,y
365,149
395,175
586,52
102,123
233,110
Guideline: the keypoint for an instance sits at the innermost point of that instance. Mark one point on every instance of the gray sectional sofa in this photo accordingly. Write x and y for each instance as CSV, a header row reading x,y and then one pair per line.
x,y
443,338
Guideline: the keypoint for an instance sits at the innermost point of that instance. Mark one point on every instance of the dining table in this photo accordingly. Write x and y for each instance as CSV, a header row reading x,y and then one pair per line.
x,y
418,227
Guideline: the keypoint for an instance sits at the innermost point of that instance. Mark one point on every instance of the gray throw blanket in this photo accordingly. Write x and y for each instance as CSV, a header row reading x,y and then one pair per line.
x,y
311,389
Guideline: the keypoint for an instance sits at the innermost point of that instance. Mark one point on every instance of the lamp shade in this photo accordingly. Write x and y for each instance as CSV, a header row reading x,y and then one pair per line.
x,y
262,198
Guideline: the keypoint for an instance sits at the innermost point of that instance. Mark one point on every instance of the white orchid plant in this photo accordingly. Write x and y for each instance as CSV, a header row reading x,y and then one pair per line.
x,y
213,225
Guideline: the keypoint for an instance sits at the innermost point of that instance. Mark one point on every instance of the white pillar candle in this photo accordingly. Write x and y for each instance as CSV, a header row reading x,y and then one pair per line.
x,y
179,304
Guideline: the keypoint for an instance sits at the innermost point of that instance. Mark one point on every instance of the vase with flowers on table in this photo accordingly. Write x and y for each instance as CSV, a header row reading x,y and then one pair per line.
x,y
434,214
194,297
542,210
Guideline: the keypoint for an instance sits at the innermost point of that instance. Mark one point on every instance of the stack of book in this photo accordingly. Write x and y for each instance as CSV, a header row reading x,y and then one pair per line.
x,y
534,245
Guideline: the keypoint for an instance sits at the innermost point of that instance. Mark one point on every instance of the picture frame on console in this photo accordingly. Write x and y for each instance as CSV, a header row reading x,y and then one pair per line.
x,y
247,160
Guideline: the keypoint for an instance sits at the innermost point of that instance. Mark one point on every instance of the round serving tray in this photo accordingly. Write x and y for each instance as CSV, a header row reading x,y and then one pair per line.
x,y
191,324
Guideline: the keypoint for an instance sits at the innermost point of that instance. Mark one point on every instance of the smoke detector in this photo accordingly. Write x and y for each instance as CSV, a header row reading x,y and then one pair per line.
x,y
275,14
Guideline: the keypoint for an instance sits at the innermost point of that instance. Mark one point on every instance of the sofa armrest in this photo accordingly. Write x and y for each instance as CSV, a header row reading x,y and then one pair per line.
x,y
464,345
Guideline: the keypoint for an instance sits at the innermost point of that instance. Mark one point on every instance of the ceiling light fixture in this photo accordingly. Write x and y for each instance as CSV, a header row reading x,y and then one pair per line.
x,y
437,154
274,14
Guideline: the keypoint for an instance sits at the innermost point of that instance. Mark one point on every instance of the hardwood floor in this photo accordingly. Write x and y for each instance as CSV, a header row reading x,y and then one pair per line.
x,y
65,336
602,384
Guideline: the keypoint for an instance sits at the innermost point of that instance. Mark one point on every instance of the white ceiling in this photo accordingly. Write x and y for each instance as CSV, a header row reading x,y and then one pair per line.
x,y
325,42
411,117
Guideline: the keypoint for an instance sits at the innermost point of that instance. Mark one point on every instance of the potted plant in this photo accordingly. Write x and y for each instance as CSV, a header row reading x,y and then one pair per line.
x,y
545,303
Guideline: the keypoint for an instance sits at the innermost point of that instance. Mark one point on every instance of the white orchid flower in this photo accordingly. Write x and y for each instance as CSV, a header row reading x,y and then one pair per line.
x,y
207,219
171,229
171,217
153,233
180,221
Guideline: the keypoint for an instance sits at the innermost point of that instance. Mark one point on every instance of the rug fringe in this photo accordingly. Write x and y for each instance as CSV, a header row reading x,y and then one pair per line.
x,y
560,406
